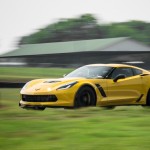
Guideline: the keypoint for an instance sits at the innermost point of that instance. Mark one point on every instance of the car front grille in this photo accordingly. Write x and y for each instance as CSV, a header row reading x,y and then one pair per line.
x,y
39,98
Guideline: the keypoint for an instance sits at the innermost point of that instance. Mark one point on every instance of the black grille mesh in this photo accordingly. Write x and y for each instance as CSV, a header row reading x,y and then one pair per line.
x,y
39,98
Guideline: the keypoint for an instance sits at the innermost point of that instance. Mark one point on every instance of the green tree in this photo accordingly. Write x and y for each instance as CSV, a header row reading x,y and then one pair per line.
x,y
87,27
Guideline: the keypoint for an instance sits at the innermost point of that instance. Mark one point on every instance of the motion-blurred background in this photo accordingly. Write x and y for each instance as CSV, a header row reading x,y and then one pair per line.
x,y
78,41
47,39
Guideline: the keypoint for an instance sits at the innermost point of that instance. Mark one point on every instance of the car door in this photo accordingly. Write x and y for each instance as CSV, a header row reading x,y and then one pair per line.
x,y
124,91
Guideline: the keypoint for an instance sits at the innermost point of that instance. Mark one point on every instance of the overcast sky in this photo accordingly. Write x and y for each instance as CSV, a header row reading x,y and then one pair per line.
x,y
22,17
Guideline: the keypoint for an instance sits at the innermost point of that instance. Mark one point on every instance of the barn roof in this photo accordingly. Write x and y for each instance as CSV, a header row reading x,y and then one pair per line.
x,y
65,47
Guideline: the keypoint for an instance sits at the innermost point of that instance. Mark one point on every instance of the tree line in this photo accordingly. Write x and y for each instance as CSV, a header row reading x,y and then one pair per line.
x,y
87,27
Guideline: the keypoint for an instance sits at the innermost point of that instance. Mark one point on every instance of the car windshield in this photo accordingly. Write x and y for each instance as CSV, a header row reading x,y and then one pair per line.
x,y
90,72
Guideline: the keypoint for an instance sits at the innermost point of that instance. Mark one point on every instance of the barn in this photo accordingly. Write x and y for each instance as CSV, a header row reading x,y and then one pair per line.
x,y
78,53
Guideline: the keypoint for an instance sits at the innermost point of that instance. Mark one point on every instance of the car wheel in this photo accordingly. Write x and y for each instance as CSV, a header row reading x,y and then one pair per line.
x,y
38,108
148,98
109,107
85,97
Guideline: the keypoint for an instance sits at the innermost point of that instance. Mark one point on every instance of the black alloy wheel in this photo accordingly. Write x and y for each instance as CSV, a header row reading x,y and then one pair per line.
x,y
148,98
85,97
108,107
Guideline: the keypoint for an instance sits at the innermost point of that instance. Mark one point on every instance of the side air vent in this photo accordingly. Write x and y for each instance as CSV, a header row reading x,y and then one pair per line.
x,y
101,90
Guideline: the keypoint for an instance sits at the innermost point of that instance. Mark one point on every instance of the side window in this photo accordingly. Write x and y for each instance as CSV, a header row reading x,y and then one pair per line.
x,y
137,71
125,71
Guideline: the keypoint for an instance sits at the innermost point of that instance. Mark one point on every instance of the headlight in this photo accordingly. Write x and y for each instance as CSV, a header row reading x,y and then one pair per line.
x,y
67,86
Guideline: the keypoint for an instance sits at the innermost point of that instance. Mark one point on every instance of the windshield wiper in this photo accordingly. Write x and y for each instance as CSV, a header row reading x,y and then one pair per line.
x,y
98,77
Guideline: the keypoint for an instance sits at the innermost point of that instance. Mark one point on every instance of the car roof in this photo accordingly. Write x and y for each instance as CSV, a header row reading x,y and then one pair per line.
x,y
120,65
111,65
117,65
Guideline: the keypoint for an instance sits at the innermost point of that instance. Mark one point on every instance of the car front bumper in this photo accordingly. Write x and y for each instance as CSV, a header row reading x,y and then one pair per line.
x,y
46,104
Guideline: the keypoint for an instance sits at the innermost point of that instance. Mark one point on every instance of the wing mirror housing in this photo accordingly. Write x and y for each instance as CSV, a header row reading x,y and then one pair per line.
x,y
120,76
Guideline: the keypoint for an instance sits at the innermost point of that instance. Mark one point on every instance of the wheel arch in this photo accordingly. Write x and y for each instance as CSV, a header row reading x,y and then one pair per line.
x,y
86,85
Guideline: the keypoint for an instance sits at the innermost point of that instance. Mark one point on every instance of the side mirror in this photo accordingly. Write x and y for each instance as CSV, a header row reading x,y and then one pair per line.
x,y
120,76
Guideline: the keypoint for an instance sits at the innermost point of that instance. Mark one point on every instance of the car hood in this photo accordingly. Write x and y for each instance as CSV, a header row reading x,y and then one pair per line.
x,y
45,85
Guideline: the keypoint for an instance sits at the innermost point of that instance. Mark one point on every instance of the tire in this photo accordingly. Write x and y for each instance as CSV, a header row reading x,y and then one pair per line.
x,y
85,97
39,108
148,98
108,107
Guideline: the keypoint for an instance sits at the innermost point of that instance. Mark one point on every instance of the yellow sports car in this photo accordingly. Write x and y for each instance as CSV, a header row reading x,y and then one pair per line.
x,y
106,85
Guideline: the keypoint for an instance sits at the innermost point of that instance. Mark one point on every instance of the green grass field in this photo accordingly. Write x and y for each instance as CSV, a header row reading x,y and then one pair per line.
x,y
90,128
28,73
123,128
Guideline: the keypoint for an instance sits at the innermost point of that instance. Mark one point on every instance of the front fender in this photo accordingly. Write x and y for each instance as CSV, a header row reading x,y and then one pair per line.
x,y
93,86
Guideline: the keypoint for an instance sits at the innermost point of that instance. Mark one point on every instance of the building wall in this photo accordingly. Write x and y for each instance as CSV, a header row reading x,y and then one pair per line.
x,y
79,59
